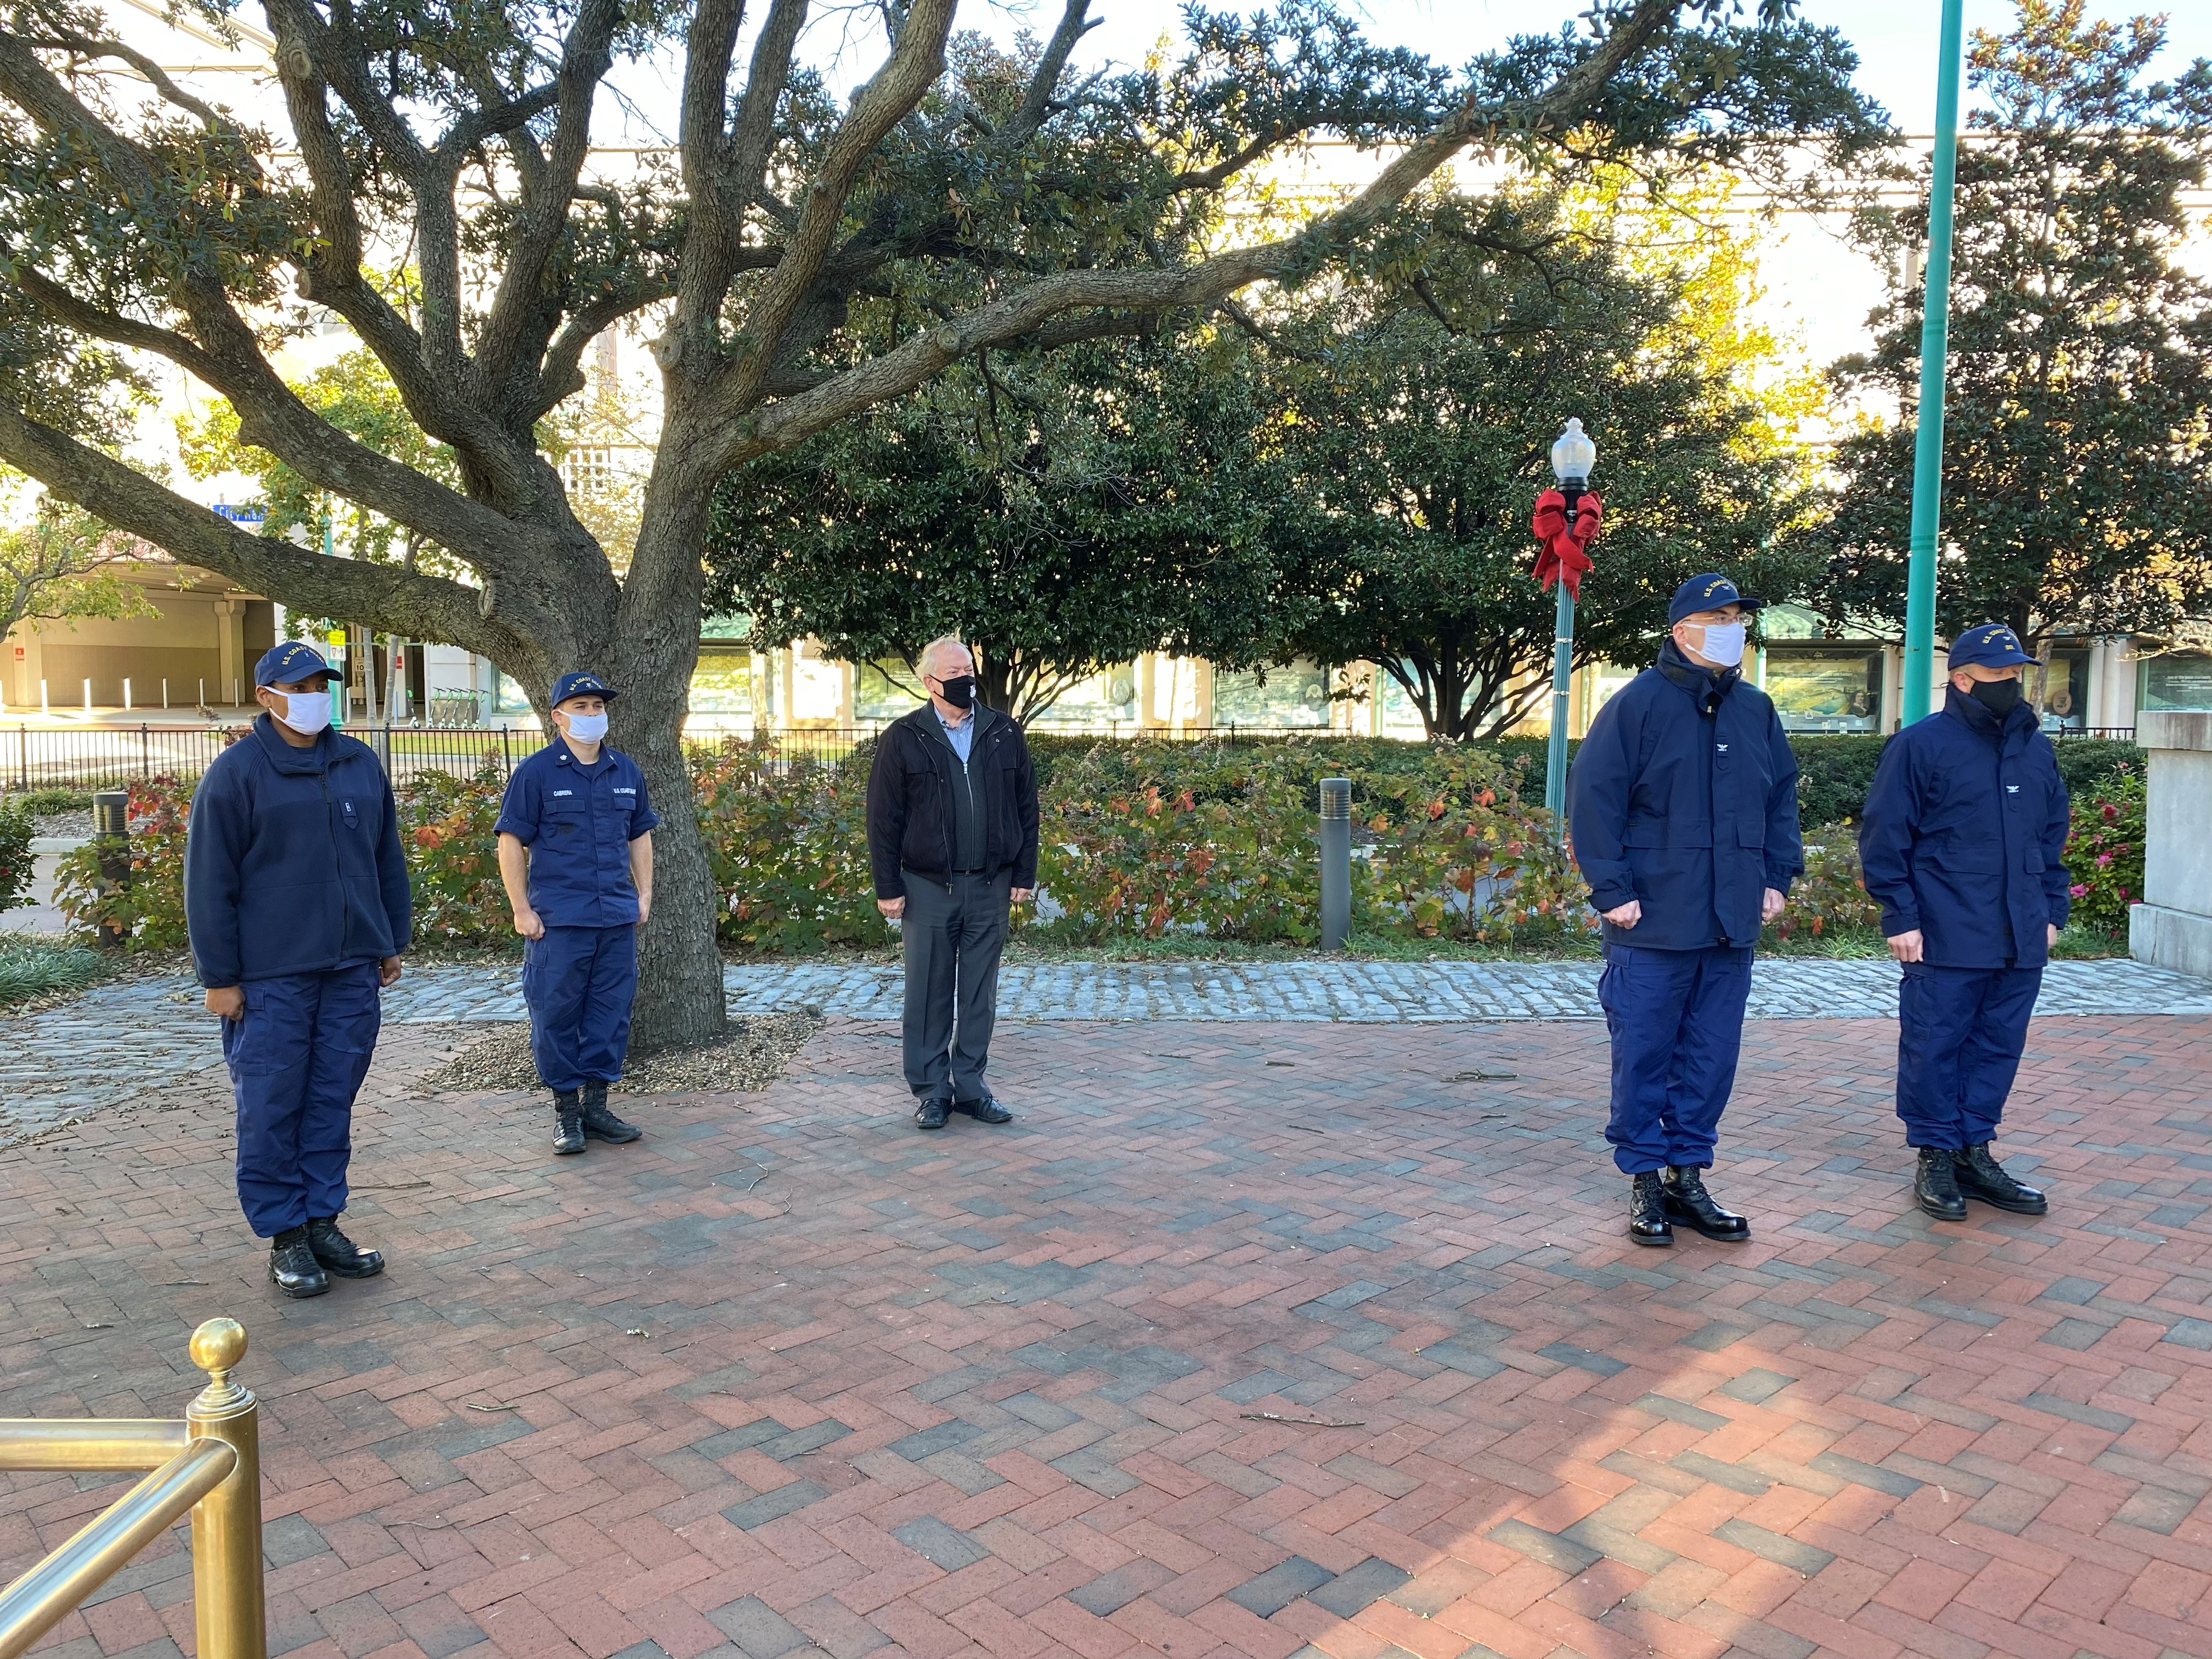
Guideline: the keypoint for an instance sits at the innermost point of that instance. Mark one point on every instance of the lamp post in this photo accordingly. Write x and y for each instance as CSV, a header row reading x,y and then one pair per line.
x,y
1934,344
1573,455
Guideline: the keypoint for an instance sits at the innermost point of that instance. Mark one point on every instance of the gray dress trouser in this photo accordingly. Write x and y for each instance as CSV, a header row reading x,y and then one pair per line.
x,y
952,943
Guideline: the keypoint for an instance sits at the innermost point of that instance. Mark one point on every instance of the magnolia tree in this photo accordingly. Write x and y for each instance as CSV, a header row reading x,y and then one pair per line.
x,y
802,257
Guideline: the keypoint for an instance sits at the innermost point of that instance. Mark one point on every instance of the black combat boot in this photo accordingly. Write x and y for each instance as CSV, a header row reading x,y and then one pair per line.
x,y
1647,1210
1936,1185
339,1254
1980,1176
600,1123
930,1114
569,1121
1688,1202
293,1268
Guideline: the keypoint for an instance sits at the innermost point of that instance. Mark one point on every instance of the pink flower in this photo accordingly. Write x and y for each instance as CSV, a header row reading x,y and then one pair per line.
x,y
2077,889
2103,859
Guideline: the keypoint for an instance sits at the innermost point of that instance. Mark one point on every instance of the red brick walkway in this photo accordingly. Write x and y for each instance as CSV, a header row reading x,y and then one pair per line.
x,y
788,1373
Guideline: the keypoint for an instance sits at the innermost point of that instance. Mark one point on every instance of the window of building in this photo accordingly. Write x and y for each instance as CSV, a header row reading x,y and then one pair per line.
x,y
2065,691
884,691
1825,690
588,468
722,683
508,698
1293,698
2178,679
1103,700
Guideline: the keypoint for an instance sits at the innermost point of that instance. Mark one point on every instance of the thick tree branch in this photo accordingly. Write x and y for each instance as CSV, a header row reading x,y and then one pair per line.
x,y
889,95
905,367
382,596
1036,102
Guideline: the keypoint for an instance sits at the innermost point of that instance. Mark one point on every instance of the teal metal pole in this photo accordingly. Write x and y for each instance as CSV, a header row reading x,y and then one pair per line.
x,y
1934,346
1555,762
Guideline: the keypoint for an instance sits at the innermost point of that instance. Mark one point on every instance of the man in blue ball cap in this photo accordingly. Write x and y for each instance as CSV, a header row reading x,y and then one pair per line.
x,y
575,854
1961,844
1683,802
297,908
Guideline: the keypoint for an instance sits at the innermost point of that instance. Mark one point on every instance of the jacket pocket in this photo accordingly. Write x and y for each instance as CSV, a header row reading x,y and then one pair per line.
x,y
1751,835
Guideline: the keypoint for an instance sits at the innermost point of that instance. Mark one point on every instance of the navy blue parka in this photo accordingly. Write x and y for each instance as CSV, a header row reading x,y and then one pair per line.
x,y
1964,837
1684,797
292,860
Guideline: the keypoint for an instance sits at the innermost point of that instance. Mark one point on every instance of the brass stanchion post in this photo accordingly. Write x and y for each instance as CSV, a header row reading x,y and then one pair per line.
x,y
227,1523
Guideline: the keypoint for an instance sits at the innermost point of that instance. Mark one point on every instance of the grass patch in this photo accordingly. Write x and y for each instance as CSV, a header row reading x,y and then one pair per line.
x,y
36,967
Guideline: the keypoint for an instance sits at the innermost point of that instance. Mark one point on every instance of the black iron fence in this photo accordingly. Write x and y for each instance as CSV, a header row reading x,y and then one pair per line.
x,y
109,757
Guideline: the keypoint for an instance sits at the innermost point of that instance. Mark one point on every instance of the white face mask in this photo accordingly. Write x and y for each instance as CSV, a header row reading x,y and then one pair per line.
x,y
1724,643
587,728
304,711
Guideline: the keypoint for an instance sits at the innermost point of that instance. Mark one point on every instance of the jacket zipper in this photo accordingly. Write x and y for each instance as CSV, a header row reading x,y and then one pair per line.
x,y
337,863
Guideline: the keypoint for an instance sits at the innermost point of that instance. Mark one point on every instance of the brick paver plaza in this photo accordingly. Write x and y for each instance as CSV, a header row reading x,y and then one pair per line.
x,y
1248,1338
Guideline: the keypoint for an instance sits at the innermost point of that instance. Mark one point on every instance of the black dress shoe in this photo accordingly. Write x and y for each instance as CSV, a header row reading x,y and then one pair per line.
x,y
1688,1202
930,1114
1936,1185
567,1121
1647,1210
1980,1176
339,1254
293,1268
601,1124
985,1110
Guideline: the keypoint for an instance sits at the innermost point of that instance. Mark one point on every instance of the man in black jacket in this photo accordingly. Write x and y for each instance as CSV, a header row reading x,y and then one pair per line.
x,y
953,840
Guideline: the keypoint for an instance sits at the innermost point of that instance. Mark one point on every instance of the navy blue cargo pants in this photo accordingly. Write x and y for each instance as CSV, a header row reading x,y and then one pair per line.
x,y
580,984
297,1056
1676,1020
1960,1033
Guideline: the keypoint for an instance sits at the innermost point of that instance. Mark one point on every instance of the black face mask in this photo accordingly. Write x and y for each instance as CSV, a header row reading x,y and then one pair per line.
x,y
959,692
1998,696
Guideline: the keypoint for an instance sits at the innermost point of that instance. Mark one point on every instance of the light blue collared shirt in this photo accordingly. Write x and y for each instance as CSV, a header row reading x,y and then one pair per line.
x,y
962,737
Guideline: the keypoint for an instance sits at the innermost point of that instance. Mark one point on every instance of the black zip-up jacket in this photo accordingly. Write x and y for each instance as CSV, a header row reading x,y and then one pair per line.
x,y
910,802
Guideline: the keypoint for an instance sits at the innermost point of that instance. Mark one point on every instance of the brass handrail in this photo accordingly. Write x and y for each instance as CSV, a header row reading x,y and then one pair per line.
x,y
210,1464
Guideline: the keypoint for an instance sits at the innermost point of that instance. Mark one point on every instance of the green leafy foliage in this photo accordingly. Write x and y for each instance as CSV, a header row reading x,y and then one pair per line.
x,y
1417,402
16,827
452,855
1062,512
788,846
144,909
2104,852
59,563
38,967
1830,896
2078,424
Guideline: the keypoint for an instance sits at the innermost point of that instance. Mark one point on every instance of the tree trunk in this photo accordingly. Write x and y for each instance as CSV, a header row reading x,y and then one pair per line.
x,y
653,639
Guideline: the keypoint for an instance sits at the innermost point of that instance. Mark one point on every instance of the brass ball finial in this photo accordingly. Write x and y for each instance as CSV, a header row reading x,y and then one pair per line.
x,y
217,1347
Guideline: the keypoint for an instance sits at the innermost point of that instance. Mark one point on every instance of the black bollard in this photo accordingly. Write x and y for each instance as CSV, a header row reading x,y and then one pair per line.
x,y
111,832
1335,862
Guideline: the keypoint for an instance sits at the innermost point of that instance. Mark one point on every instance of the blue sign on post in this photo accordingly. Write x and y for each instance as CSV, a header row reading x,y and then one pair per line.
x,y
245,515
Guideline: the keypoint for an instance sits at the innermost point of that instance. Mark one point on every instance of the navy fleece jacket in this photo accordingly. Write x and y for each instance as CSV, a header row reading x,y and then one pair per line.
x,y
292,860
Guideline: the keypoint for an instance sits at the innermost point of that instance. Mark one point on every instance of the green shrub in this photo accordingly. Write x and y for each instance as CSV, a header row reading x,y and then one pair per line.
x,y
452,856
2104,851
1831,895
15,860
145,910
789,849
33,967
42,802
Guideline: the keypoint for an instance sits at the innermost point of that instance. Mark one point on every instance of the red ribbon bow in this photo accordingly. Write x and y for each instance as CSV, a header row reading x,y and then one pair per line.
x,y
1562,558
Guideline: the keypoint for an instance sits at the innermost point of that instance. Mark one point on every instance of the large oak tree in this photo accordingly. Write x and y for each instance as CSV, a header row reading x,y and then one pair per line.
x,y
802,258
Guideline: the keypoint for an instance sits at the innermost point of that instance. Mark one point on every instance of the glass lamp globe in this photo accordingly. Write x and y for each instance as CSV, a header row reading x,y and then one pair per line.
x,y
1573,454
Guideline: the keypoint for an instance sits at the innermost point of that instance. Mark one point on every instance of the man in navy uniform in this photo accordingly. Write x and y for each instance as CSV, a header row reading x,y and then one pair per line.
x,y
1683,804
1962,842
575,854
297,908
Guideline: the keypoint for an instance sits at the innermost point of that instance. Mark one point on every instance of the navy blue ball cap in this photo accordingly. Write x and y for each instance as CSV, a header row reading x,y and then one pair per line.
x,y
291,661
1991,644
1707,592
579,684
